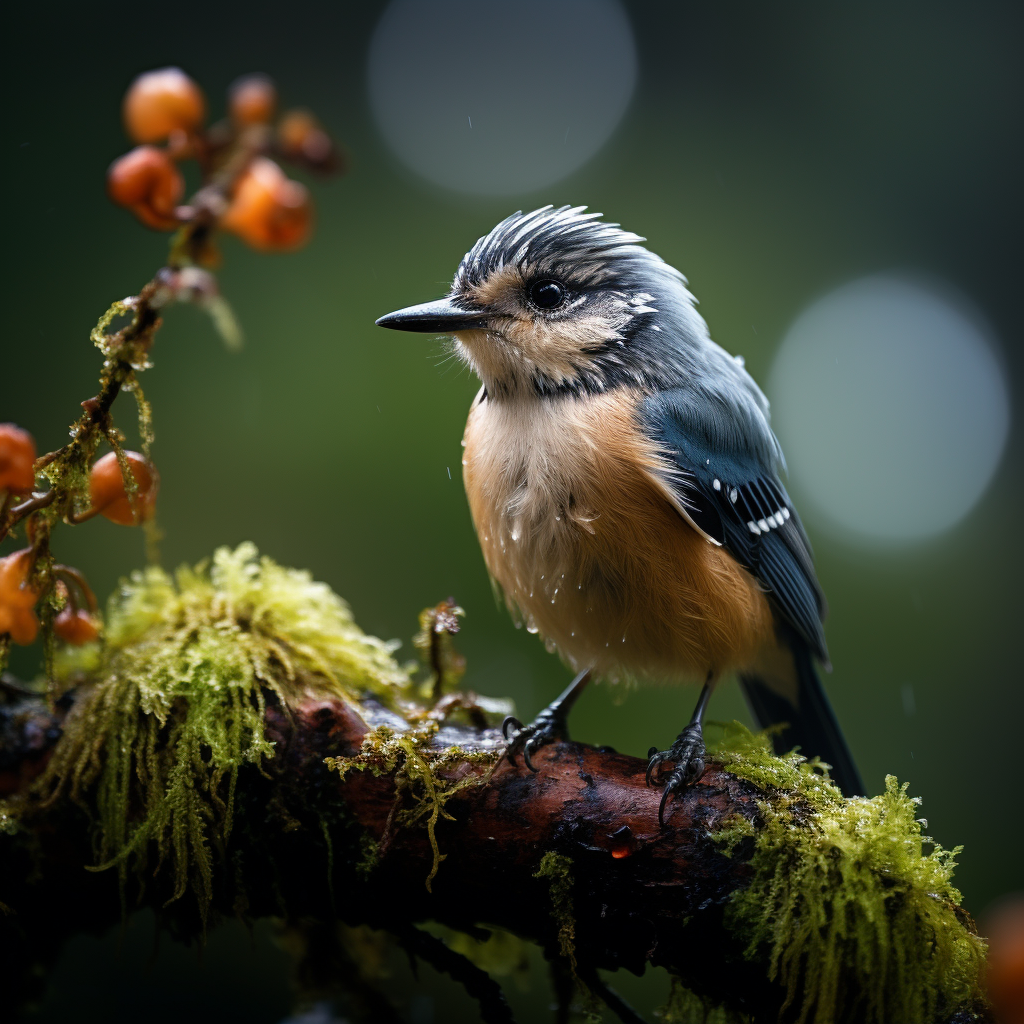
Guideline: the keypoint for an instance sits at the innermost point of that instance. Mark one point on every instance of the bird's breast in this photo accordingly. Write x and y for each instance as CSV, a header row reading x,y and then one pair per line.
x,y
590,552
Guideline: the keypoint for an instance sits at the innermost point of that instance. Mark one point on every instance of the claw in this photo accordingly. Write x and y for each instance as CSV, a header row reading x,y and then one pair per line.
x,y
528,739
688,757
655,759
661,806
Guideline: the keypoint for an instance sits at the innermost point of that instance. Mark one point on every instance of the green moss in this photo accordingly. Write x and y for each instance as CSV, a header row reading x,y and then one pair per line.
x,y
686,1007
369,855
173,703
421,770
557,868
857,919
434,642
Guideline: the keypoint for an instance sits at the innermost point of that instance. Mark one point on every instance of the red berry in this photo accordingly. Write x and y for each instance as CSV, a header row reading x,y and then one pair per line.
x,y
76,626
149,184
17,453
252,99
268,210
161,102
106,489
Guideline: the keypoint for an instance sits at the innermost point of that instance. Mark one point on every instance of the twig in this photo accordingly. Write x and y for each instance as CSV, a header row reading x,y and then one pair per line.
x,y
494,1008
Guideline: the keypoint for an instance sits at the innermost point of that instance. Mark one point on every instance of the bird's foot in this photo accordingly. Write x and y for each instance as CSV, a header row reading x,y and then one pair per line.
x,y
548,727
687,754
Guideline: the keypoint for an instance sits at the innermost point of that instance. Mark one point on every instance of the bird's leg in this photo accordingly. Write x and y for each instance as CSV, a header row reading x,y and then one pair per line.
x,y
687,753
548,726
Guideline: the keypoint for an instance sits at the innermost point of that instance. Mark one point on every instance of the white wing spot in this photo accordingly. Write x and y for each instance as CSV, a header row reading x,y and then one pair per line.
x,y
752,527
717,485
733,495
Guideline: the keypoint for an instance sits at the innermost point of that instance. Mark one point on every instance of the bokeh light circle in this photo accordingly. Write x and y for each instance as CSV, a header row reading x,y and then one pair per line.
x,y
500,98
892,406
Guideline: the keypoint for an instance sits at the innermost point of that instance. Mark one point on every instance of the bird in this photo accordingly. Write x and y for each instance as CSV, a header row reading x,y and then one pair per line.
x,y
626,488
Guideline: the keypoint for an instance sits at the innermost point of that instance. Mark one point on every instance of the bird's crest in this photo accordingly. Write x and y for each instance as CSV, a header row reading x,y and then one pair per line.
x,y
565,241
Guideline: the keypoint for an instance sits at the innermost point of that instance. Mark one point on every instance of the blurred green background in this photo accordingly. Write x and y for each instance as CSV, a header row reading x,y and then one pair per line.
x,y
771,153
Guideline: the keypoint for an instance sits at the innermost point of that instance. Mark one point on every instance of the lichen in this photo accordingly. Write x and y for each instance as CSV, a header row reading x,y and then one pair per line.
x,y
172,706
857,920
421,770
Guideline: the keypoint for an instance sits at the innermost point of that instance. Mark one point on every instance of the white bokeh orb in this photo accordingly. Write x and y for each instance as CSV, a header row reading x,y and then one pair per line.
x,y
893,409
500,98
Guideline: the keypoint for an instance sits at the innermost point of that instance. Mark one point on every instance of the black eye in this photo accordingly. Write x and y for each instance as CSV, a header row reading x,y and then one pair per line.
x,y
546,294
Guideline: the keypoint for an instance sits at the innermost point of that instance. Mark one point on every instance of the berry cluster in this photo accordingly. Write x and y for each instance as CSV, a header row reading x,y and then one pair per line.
x,y
244,190
110,495
256,201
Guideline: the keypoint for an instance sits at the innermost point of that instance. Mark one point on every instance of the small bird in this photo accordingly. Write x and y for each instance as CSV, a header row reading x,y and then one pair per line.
x,y
623,480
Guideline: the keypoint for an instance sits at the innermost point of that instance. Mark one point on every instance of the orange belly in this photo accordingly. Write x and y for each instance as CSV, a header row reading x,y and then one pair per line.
x,y
590,552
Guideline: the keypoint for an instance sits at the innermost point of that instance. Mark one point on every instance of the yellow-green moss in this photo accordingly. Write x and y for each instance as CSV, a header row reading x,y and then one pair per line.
x,y
686,1007
420,770
172,705
858,921
434,642
557,868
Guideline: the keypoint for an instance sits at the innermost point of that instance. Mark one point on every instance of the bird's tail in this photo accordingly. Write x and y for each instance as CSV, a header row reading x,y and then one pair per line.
x,y
810,724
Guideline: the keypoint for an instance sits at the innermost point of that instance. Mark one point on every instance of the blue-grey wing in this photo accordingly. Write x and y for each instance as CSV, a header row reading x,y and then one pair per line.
x,y
723,471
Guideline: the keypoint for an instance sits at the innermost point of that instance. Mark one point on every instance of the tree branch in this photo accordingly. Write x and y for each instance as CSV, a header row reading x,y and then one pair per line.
x,y
637,894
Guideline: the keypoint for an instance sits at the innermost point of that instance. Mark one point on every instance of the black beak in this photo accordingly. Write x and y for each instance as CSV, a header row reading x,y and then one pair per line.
x,y
440,317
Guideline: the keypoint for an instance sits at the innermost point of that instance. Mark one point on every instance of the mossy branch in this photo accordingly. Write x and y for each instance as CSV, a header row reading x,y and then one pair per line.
x,y
239,737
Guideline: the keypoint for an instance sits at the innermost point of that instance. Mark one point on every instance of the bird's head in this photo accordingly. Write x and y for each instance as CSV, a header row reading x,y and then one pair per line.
x,y
558,302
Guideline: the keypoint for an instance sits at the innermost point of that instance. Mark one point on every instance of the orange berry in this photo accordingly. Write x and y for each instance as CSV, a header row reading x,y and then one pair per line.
x,y
15,590
21,623
76,626
1005,976
252,99
268,210
17,453
17,597
303,140
149,184
106,488
161,102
